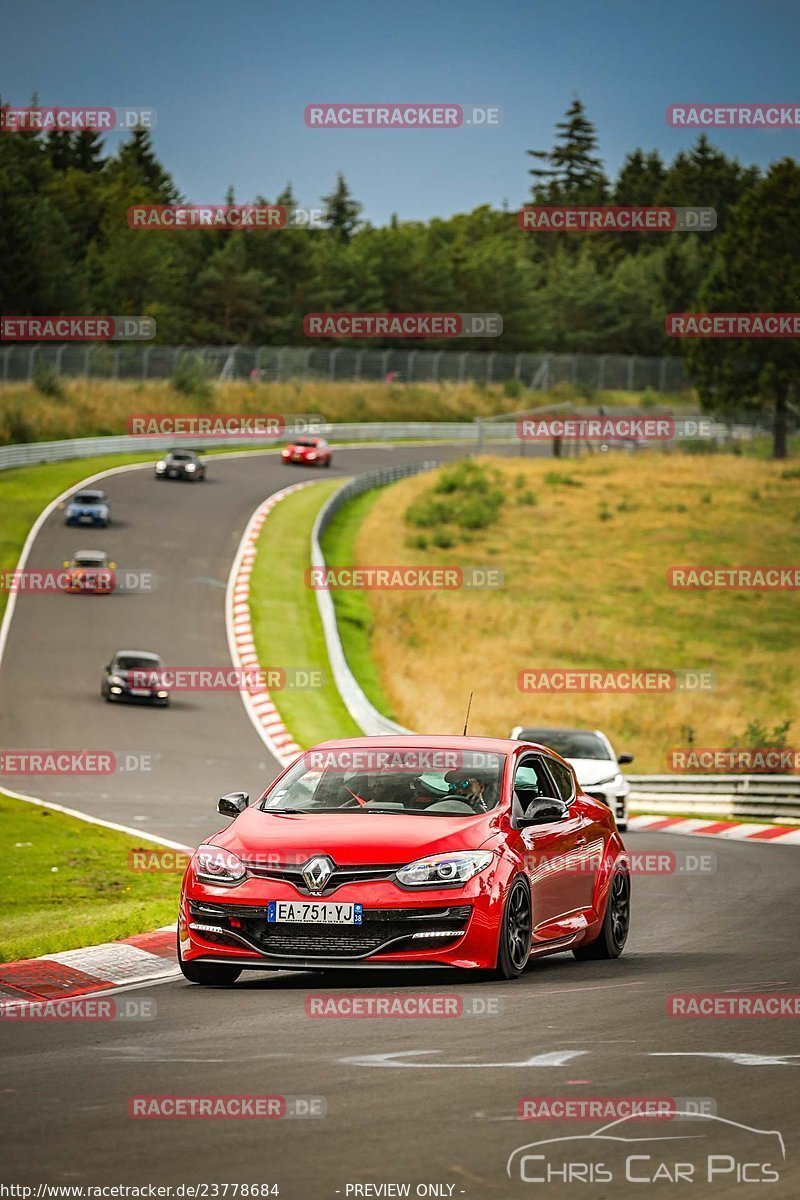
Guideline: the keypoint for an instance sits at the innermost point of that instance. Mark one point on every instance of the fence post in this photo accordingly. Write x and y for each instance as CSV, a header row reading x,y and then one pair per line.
x,y
332,364
412,356
31,357
436,359
631,362
490,366
518,367
601,373
59,356
359,360
146,360
662,375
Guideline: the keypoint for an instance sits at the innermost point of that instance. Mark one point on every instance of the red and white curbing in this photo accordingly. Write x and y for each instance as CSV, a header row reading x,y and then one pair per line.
x,y
738,831
148,957
259,704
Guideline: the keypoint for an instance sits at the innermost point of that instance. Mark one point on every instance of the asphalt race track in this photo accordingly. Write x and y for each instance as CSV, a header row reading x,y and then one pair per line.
x,y
203,744
424,1101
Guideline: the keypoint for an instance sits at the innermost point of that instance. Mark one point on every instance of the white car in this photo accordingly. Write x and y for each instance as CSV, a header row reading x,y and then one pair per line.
x,y
591,755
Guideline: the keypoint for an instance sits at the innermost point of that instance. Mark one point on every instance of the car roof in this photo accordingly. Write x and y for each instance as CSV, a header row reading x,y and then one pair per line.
x,y
490,745
89,492
136,654
182,450
98,555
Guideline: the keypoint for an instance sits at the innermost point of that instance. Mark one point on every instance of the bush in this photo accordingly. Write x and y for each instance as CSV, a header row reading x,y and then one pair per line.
x,y
192,377
48,382
465,495
514,388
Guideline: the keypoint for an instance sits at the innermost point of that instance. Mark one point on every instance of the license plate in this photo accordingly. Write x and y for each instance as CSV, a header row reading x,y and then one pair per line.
x,y
313,912
140,691
297,457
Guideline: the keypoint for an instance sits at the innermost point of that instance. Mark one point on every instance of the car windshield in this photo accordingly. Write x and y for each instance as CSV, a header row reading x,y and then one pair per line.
x,y
413,782
89,498
132,662
181,457
308,442
89,560
569,743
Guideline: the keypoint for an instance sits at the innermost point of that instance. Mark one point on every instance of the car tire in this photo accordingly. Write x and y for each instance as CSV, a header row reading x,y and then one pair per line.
x,y
514,948
613,934
208,974
327,462
622,826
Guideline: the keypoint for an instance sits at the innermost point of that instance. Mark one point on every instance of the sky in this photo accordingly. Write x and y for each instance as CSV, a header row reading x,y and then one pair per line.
x,y
230,82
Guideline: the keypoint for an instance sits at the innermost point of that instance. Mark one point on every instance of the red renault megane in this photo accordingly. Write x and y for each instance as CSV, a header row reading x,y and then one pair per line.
x,y
407,851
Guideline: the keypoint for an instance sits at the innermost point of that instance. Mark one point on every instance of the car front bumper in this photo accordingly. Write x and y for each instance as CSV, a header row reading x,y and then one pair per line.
x,y
439,927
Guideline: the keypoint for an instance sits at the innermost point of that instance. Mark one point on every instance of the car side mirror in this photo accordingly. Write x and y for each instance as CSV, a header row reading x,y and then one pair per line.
x,y
232,804
543,810
622,759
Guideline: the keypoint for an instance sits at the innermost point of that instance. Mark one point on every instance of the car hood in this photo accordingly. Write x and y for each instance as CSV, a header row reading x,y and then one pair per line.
x,y
591,770
352,839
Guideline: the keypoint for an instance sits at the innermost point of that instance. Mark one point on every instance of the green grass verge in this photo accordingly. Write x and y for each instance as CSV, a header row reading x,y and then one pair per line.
x,y
286,626
353,614
66,883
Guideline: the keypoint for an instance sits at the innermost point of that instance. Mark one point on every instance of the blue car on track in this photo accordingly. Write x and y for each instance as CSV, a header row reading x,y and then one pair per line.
x,y
88,508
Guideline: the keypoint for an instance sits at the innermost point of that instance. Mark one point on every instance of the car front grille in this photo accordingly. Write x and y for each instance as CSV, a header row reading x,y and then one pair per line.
x,y
389,928
339,877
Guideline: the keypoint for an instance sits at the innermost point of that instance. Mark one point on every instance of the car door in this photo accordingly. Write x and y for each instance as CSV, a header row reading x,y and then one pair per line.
x,y
551,851
592,836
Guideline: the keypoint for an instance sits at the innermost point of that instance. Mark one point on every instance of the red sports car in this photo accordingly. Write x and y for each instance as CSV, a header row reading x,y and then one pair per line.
x,y
407,851
311,451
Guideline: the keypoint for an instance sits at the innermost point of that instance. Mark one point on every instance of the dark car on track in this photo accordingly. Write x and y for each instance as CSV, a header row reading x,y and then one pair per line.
x,y
309,451
134,675
181,464
88,508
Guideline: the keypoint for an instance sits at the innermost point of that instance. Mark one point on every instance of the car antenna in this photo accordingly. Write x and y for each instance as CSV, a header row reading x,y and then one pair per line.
x,y
466,719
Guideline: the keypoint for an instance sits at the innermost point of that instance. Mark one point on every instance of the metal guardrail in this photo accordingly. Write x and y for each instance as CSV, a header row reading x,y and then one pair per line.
x,y
30,453
366,716
476,433
765,797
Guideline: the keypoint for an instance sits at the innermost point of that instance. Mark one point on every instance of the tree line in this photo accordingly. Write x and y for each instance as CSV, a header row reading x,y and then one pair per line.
x,y
66,247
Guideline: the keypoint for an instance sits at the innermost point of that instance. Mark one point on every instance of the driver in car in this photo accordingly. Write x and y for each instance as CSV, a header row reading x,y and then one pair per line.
x,y
469,787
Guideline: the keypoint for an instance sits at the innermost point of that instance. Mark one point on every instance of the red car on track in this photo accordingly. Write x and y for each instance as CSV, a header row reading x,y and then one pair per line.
x,y
407,851
309,451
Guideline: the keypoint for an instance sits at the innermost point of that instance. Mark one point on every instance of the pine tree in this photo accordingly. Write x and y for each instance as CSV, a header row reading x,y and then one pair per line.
x,y
341,211
574,174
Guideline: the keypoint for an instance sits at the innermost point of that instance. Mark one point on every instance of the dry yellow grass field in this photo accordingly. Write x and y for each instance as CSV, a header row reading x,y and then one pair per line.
x,y
98,406
585,586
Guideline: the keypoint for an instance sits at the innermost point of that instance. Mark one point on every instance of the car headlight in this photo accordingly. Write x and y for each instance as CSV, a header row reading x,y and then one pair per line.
x,y
212,864
191,467
117,680
439,870
161,465
311,455
612,781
